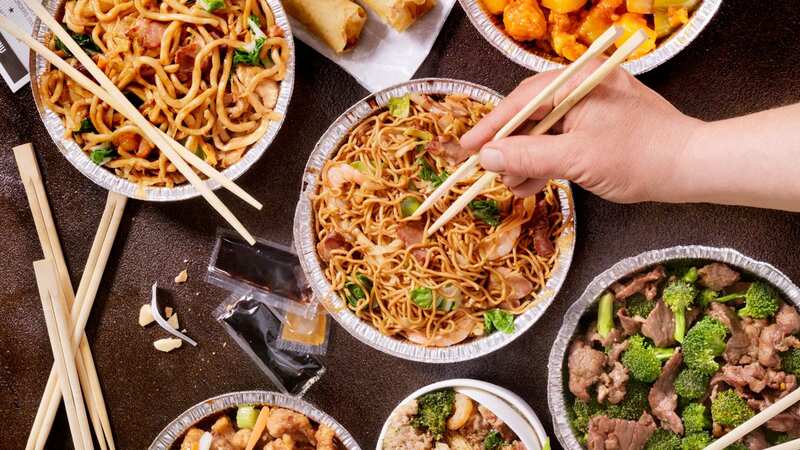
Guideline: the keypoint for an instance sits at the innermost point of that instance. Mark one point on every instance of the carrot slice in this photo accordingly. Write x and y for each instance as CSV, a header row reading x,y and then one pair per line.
x,y
258,429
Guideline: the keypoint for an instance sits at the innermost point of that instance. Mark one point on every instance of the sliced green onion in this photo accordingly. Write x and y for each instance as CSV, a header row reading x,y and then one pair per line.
x,y
400,106
422,135
102,155
211,5
409,205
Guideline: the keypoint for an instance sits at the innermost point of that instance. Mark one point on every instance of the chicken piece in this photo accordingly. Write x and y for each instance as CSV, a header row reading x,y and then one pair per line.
x,y
223,427
267,89
286,442
563,6
284,422
191,439
631,23
524,20
239,440
597,21
126,142
495,7
325,438
563,36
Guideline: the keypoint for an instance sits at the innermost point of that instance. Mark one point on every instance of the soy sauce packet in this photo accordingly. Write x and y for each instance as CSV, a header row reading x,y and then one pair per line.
x,y
256,328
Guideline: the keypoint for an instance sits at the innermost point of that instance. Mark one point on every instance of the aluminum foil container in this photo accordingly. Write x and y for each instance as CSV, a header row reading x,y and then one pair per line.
x,y
557,391
305,240
106,178
541,62
176,429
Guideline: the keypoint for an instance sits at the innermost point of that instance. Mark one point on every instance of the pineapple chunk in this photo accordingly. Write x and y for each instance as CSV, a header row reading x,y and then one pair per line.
x,y
563,6
631,23
495,7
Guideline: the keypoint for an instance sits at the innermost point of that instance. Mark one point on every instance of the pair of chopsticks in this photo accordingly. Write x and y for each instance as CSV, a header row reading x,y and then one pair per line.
x,y
79,304
108,92
758,420
597,48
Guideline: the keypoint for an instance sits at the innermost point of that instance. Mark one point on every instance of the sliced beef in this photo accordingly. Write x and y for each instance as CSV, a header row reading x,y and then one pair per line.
x,y
787,421
788,319
630,325
769,343
752,376
616,352
612,384
185,57
739,344
614,336
638,283
660,325
585,366
717,276
752,329
756,440
618,434
331,242
663,399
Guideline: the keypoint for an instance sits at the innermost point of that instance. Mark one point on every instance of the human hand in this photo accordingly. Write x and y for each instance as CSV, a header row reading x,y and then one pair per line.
x,y
622,142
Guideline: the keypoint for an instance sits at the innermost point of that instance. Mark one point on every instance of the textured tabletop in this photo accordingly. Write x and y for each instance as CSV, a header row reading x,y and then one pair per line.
x,y
746,60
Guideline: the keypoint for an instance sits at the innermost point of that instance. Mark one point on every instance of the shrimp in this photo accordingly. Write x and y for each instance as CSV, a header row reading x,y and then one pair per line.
x,y
340,174
524,20
462,328
563,37
501,242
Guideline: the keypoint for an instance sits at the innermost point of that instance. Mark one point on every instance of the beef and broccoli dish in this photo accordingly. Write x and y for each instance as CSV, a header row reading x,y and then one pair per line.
x,y
678,355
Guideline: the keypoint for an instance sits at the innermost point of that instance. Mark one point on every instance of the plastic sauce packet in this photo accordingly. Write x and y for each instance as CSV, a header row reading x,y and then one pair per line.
x,y
267,271
306,335
256,328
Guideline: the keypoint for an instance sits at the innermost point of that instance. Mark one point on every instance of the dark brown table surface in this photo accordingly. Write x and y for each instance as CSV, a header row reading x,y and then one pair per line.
x,y
746,60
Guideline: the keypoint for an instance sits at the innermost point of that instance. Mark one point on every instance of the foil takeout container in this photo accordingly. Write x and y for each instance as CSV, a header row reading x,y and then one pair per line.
x,y
106,178
168,437
487,25
305,239
557,390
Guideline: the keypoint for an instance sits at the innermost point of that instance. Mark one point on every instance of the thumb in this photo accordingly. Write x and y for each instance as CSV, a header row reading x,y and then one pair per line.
x,y
538,157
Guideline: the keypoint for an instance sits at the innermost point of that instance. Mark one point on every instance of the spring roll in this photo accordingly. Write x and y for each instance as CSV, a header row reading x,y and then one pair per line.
x,y
400,14
337,22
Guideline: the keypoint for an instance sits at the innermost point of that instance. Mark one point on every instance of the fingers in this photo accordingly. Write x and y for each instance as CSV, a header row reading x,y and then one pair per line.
x,y
535,157
528,188
485,130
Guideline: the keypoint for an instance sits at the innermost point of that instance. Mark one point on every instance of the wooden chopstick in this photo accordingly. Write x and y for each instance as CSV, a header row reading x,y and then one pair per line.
x,y
583,89
51,249
57,329
791,445
118,102
756,421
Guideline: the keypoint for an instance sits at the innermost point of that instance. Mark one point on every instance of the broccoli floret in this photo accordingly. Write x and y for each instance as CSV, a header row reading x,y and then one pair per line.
x,y
663,440
761,301
728,408
433,409
737,446
695,441
633,405
605,314
691,384
582,413
639,305
791,361
706,297
695,418
690,276
643,360
493,441
679,295
704,342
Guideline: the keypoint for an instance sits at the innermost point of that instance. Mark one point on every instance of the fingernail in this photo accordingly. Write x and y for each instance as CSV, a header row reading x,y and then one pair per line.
x,y
492,159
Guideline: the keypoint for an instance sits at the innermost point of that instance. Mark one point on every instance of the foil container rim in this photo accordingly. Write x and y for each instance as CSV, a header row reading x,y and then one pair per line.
x,y
110,181
556,388
305,239
175,429
670,47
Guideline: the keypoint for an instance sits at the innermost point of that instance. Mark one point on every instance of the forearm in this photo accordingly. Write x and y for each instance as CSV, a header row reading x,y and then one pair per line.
x,y
752,160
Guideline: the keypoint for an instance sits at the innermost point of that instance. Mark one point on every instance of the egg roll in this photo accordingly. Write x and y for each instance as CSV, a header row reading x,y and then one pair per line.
x,y
400,14
337,22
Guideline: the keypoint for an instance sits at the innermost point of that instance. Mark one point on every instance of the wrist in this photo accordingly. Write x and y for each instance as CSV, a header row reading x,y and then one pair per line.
x,y
679,180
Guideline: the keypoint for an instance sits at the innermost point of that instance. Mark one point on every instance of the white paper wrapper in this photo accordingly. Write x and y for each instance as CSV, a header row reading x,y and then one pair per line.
x,y
540,62
109,180
384,56
167,437
557,390
305,238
